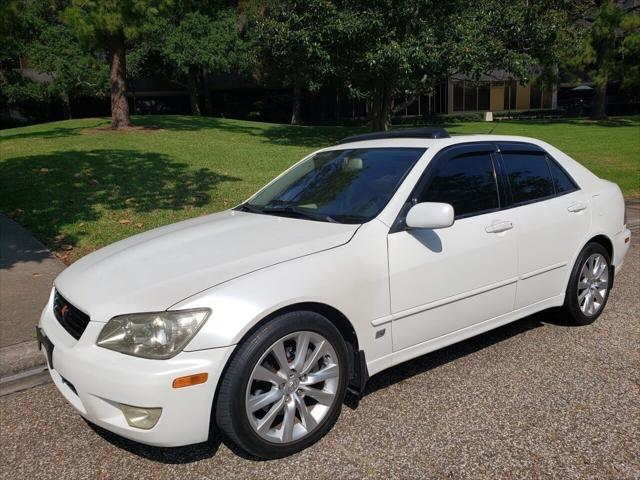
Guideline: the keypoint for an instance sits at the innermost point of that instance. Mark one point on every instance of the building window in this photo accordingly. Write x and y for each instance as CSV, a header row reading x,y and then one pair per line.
x,y
413,108
470,97
535,99
510,89
484,95
547,97
541,96
458,96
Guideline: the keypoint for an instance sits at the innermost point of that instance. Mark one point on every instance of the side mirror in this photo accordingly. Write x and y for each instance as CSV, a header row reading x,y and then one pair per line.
x,y
430,215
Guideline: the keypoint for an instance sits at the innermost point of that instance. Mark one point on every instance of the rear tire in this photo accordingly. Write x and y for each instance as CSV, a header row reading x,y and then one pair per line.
x,y
589,285
283,389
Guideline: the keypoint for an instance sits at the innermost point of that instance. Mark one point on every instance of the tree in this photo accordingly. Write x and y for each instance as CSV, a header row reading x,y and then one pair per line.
x,y
50,48
201,43
395,48
191,41
608,47
73,70
110,25
14,33
295,46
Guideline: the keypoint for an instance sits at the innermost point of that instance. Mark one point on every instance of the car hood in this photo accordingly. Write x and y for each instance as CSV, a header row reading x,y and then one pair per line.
x,y
157,269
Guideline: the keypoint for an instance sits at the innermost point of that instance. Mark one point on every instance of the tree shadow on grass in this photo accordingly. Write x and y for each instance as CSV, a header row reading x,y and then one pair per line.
x,y
48,132
47,192
277,134
626,122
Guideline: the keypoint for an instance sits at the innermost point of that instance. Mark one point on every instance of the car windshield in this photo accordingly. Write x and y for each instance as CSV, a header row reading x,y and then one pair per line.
x,y
345,186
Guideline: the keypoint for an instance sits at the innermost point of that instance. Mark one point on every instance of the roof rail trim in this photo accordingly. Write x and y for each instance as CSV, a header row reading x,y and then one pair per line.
x,y
432,133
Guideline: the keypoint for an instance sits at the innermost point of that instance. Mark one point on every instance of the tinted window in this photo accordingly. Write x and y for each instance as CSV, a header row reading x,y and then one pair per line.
x,y
528,175
561,180
467,182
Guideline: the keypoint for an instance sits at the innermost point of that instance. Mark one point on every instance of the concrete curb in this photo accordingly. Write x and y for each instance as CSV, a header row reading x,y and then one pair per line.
x,y
17,358
24,380
22,366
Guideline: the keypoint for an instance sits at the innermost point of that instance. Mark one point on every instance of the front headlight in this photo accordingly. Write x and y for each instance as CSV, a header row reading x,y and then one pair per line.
x,y
157,335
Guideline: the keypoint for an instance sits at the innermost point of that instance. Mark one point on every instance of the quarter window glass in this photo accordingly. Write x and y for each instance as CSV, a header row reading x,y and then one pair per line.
x,y
561,180
467,182
529,176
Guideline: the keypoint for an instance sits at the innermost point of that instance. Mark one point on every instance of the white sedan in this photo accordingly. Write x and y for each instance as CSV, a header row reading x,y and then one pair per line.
x,y
363,255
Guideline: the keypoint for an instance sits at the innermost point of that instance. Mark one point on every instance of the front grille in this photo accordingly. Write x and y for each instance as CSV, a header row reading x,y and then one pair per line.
x,y
72,320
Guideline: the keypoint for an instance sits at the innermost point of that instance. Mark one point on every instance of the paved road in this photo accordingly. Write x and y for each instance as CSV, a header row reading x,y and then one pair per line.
x,y
535,399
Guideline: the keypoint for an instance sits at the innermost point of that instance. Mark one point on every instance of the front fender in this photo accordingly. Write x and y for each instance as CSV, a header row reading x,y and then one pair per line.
x,y
352,279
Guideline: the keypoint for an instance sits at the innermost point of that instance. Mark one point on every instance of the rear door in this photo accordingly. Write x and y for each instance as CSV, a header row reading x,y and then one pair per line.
x,y
552,219
448,279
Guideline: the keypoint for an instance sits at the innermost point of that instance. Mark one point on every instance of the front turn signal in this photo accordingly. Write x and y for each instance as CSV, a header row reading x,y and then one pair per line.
x,y
189,380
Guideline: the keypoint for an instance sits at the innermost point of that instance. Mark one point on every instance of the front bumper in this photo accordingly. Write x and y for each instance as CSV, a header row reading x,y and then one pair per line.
x,y
95,381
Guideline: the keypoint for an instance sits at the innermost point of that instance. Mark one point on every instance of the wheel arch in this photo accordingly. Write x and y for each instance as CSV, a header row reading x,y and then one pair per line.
x,y
358,374
604,241
607,244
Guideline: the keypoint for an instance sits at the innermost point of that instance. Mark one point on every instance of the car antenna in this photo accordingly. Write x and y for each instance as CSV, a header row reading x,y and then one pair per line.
x,y
492,129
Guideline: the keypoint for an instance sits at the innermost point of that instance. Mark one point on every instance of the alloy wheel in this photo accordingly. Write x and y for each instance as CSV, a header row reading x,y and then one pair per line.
x,y
593,284
292,387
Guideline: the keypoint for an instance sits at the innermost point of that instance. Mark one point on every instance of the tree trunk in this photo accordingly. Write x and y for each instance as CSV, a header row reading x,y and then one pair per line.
x,y
381,108
117,78
192,87
297,100
67,104
599,112
206,91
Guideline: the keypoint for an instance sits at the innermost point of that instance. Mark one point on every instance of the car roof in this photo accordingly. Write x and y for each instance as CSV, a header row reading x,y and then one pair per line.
x,y
409,142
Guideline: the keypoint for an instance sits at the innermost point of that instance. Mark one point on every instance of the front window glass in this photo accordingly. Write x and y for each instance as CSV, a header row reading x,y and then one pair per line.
x,y
347,186
467,182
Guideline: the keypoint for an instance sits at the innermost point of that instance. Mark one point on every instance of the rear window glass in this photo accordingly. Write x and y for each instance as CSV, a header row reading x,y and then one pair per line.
x,y
529,176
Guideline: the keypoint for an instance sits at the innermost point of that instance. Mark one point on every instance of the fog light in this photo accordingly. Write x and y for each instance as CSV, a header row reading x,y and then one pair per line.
x,y
139,417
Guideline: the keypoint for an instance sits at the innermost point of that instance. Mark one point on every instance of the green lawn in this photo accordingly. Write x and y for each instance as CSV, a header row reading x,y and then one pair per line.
x,y
78,188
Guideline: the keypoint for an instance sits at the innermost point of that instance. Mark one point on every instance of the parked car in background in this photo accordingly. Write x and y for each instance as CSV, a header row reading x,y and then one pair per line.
x,y
365,254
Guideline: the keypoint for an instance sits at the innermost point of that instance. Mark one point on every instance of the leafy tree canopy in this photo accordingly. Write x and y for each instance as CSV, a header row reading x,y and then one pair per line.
x,y
392,48
191,41
294,44
101,22
50,48
606,47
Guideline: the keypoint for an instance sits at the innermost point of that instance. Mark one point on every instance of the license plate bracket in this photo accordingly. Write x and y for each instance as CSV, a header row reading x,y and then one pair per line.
x,y
43,341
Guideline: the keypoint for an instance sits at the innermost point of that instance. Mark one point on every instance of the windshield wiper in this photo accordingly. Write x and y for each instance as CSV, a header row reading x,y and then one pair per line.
x,y
297,212
247,207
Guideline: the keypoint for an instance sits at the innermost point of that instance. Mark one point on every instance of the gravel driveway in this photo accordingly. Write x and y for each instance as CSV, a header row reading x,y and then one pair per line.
x,y
535,399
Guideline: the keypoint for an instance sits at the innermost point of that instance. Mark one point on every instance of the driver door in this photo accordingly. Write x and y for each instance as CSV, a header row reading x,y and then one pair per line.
x,y
448,279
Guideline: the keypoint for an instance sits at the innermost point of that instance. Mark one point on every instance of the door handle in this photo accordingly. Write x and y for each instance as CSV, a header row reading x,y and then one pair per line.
x,y
499,226
576,207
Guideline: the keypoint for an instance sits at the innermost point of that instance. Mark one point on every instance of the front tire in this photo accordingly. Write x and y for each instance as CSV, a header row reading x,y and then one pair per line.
x,y
589,285
283,390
